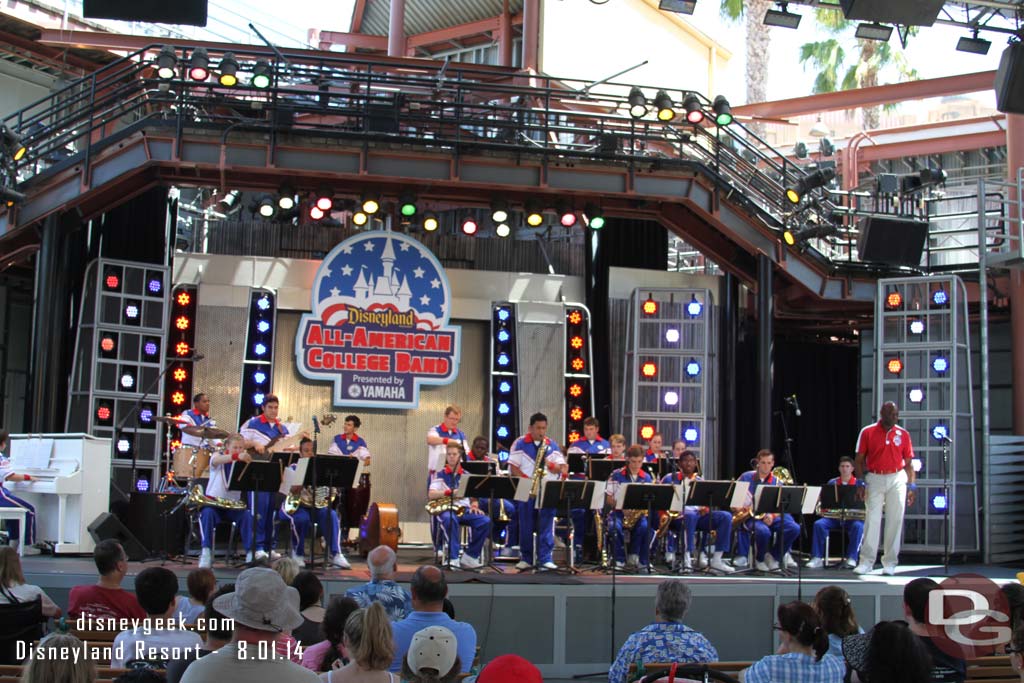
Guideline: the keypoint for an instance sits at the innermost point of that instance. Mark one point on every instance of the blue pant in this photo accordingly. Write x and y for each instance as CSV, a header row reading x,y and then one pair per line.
x,y
479,525
209,517
854,527
9,500
639,541
512,530
543,521
264,515
719,521
763,534
326,521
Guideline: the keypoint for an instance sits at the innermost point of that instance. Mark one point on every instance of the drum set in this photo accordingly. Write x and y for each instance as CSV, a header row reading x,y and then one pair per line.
x,y
186,464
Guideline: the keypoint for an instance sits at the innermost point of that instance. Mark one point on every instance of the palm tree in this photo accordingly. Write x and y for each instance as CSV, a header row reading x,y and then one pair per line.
x,y
757,46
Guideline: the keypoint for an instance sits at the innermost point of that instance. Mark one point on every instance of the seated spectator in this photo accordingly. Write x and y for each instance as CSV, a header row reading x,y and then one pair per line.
x,y
945,668
801,655
889,653
323,655
156,589
76,667
449,608
509,669
311,595
835,610
219,630
368,640
1015,648
433,655
668,639
288,568
143,675
262,606
106,599
383,564
13,588
1014,593
201,585
428,593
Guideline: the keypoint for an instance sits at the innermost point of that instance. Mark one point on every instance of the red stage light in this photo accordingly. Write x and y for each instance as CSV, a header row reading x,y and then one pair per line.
x,y
103,413
175,444
112,281
649,369
575,318
895,366
182,348
894,300
577,364
576,342
180,375
182,323
576,413
107,344
184,299
650,307
568,219
646,432
575,390
316,213
573,436
178,398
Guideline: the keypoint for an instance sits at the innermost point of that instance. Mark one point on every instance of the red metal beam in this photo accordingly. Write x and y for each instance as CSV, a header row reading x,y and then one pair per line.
x,y
353,40
460,32
869,97
936,145
58,58
357,16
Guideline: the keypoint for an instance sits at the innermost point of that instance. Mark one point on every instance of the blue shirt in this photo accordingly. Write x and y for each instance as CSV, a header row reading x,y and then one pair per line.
x,y
260,424
596,447
395,600
662,642
349,446
752,478
403,631
794,667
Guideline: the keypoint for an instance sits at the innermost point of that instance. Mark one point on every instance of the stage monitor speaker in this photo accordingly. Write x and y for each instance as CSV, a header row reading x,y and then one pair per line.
x,y
157,520
107,526
192,12
1010,80
906,12
892,240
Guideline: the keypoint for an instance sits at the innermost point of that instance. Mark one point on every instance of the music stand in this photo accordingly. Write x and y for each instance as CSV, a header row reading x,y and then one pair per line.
x,y
336,471
577,462
258,476
650,496
479,467
496,489
839,498
568,494
601,470
781,500
712,494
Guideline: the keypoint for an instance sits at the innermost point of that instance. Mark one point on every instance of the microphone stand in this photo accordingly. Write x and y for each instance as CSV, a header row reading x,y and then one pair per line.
x,y
787,443
946,441
315,510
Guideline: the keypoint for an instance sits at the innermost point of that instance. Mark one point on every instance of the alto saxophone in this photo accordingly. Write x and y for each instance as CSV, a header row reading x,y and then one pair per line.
x,y
538,469
197,499
444,504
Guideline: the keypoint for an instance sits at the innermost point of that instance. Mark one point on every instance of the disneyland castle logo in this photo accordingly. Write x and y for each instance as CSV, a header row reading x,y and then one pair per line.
x,y
379,329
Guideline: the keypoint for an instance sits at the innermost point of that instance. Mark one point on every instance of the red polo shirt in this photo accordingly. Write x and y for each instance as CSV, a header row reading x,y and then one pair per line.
x,y
885,452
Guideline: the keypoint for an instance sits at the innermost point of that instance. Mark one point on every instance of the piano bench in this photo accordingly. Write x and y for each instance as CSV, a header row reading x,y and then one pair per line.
x,y
21,515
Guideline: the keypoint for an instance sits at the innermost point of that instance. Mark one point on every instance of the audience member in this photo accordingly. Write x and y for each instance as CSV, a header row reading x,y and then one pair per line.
x,y
156,589
219,630
429,589
106,599
801,655
383,564
945,668
201,585
323,655
433,655
140,675
667,639
262,607
288,568
1015,648
835,610
889,653
1014,594
311,595
449,608
509,669
13,588
370,647
76,667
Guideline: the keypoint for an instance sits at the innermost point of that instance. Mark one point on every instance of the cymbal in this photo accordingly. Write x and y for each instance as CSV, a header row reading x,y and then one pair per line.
x,y
206,432
171,420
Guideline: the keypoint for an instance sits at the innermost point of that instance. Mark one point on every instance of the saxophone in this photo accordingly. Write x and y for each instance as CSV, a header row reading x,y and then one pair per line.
x,y
784,477
538,469
443,504
599,529
197,498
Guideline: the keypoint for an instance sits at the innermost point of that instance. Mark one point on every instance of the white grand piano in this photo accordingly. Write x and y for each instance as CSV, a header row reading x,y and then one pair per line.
x,y
70,485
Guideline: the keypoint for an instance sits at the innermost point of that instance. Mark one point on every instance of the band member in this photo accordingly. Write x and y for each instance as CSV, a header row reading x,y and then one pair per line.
x,y
221,466
479,454
356,499
591,446
654,445
198,416
853,527
762,528
522,459
445,483
884,451
640,541
258,433
617,443
438,438
326,519
695,517
350,443
9,500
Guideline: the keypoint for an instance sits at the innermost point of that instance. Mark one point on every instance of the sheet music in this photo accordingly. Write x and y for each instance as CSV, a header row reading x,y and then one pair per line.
x,y
620,495
294,476
523,489
810,499
461,491
739,494
679,497
597,500
31,453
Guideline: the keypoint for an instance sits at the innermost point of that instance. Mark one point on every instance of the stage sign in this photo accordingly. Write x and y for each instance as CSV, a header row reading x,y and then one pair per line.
x,y
379,323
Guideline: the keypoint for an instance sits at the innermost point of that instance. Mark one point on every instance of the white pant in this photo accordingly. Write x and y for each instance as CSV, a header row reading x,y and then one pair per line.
x,y
889,490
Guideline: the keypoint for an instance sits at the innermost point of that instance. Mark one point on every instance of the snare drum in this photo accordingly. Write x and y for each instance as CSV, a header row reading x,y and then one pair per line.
x,y
191,462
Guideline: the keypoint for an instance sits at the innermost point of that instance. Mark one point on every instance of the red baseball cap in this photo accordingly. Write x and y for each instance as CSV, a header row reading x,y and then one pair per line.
x,y
509,669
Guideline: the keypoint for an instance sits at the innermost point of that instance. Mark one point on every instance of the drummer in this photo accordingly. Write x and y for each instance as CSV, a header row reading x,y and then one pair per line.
x,y
199,416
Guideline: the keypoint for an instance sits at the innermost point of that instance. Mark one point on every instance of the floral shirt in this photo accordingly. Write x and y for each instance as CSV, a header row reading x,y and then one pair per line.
x,y
662,642
395,600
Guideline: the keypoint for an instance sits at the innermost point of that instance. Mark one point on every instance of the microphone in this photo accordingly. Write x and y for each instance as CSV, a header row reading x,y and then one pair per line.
x,y
316,425
197,356
791,400
946,439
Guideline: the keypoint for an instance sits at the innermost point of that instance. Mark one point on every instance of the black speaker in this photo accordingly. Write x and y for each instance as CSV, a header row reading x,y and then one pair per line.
x,y
892,240
107,526
154,521
192,12
906,12
1010,80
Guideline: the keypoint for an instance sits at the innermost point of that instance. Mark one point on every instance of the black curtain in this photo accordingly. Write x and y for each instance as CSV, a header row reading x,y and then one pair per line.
x,y
135,230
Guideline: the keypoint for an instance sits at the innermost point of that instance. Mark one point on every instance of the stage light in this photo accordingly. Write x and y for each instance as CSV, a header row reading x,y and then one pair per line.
x,y
650,306
975,45
142,485
228,70
678,6
671,398
499,211
178,398
693,368
940,432
566,216
940,364
324,199
504,408
260,349
811,181
663,104
672,335
263,303
649,369
370,205
503,359
261,74
576,342
916,464
103,413
260,377
939,501
131,311
502,230
146,416
257,398
182,348
788,237
594,216
637,103
940,298
694,308
199,65
575,317
286,198
782,17
504,386
693,108
266,206
916,395
182,323
108,345
262,326
723,111
503,336
316,213
151,347
575,390
873,31
180,374
112,279
430,222
183,298
124,446
501,432
534,213
646,432
503,455
155,285
166,62
127,380
573,436
690,435
407,204
504,314
800,150
894,366
893,300
916,327
359,218
577,364
469,226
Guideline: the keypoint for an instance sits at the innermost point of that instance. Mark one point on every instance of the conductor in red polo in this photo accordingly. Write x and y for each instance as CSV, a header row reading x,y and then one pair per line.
x,y
884,457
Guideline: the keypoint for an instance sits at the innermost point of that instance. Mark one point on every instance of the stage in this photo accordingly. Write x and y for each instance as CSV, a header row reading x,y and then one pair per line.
x,y
563,622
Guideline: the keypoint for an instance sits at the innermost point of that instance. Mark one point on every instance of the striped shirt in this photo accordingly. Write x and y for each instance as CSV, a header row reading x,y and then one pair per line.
x,y
794,667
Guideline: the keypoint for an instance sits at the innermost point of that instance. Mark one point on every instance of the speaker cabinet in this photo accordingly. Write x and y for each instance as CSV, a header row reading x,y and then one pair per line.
x,y
107,526
892,240
192,12
1010,80
154,521
906,12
